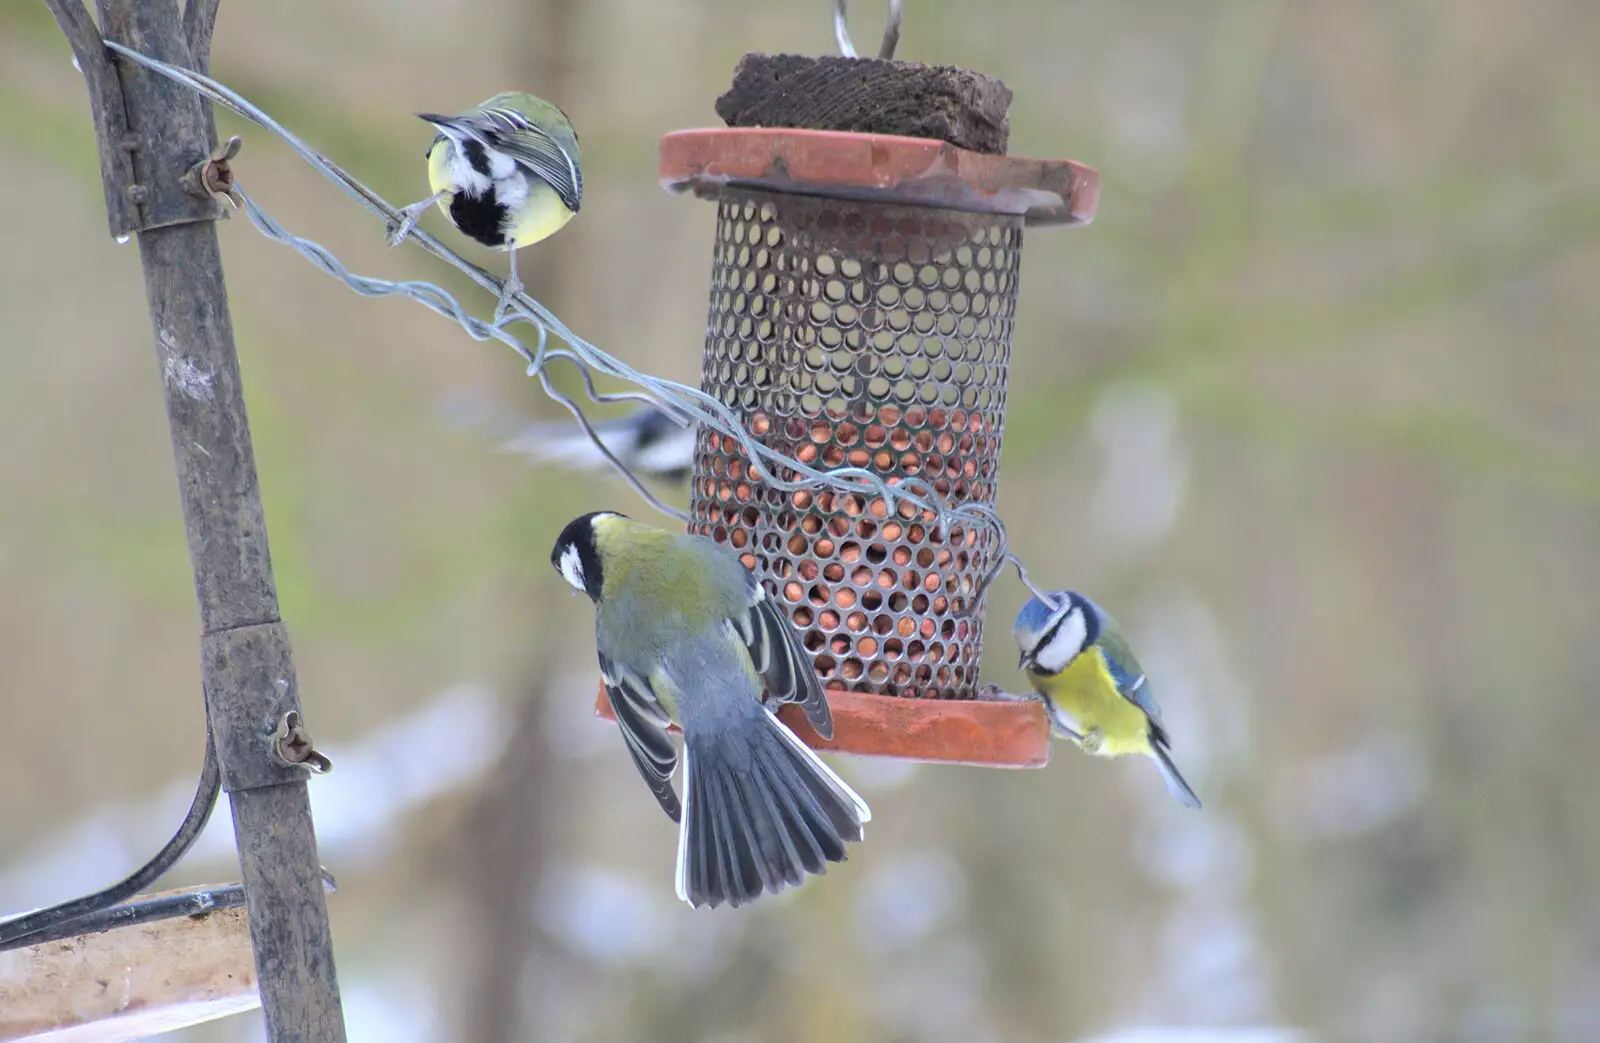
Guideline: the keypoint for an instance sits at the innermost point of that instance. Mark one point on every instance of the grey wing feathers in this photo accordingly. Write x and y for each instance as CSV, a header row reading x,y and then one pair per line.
x,y
1130,678
1176,785
763,812
525,141
1138,692
783,665
644,728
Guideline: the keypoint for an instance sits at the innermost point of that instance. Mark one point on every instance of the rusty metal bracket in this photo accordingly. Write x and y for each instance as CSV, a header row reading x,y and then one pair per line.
x,y
292,744
213,176
131,206
110,117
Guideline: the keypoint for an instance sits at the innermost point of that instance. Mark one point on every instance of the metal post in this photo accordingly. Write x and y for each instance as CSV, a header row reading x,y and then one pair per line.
x,y
247,667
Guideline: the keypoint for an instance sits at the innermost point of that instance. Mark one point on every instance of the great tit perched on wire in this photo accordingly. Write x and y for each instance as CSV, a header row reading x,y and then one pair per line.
x,y
1094,689
686,635
507,173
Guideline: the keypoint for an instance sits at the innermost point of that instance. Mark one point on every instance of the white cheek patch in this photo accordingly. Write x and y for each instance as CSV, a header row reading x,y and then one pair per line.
x,y
572,568
1064,647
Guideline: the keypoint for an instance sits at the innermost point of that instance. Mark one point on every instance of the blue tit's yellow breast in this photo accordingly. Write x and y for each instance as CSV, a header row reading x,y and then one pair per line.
x,y
1086,690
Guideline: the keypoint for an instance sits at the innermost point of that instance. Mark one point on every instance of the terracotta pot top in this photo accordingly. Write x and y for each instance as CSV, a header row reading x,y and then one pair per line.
x,y
881,168
943,731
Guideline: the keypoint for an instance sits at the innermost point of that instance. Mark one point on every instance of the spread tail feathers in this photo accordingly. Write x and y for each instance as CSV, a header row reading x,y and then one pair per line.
x,y
760,811
1174,780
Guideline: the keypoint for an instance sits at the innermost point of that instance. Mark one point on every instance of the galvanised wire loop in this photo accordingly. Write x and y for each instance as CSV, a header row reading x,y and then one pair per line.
x,y
777,471
891,31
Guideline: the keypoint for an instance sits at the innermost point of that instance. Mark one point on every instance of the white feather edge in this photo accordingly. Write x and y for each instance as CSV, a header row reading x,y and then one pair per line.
x,y
682,871
862,811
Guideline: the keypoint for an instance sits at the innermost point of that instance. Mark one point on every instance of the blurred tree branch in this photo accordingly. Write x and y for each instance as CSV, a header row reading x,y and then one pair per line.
x,y
507,837
506,841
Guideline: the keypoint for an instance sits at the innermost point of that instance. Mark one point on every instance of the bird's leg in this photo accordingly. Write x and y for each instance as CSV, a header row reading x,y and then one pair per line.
x,y
1067,731
409,216
508,290
997,694
1061,723
1092,740
1058,722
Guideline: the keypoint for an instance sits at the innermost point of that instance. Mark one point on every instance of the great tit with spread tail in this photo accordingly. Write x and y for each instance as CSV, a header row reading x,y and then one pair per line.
x,y
507,173
1094,689
686,635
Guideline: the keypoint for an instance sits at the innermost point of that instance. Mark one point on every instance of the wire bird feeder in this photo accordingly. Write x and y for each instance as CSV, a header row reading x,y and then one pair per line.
x,y
863,292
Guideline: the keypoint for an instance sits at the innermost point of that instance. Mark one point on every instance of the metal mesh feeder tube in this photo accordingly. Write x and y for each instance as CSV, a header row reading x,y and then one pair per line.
x,y
863,291
874,336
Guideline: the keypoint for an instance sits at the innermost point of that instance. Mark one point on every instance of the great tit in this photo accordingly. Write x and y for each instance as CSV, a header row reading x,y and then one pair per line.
x,y
507,173
1094,689
686,635
648,441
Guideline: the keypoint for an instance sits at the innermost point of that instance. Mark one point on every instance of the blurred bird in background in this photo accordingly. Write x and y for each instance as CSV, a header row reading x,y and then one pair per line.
x,y
507,173
1095,691
650,442
687,636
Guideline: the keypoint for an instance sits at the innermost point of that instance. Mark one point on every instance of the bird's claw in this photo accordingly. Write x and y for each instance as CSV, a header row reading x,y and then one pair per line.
x,y
409,216
994,693
1057,724
507,303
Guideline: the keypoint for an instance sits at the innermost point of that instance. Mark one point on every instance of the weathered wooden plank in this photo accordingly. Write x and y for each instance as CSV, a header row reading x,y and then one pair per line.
x,y
129,983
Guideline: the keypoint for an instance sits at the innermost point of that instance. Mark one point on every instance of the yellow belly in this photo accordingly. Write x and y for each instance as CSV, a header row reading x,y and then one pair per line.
x,y
542,216
1087,691
439,174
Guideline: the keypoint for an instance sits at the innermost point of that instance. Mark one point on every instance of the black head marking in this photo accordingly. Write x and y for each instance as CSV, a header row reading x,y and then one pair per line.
x,y
576,557
1086,612
1091,629
1091,619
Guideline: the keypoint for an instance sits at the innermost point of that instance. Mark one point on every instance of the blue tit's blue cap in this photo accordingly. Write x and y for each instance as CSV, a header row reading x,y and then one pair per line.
x,y
1036,617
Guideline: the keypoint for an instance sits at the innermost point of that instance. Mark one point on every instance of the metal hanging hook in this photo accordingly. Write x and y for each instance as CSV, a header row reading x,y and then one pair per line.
x,y
891,31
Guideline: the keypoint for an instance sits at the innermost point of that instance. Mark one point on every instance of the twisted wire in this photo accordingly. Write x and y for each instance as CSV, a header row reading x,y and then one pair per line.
x,y
688,405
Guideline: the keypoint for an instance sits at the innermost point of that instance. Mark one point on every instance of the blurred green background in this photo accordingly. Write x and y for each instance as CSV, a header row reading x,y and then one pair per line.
x,y
1313,407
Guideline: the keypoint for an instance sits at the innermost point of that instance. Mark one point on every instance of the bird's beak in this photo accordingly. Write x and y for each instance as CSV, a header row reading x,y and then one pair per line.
x,y
1022,661
434,118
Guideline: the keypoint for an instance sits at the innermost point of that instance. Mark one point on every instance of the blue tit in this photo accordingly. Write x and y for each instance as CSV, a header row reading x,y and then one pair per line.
x,y
686,635
1095,690
507,173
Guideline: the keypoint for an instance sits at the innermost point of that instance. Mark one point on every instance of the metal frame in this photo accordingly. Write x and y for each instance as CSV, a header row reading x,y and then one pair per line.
x,y
160,166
